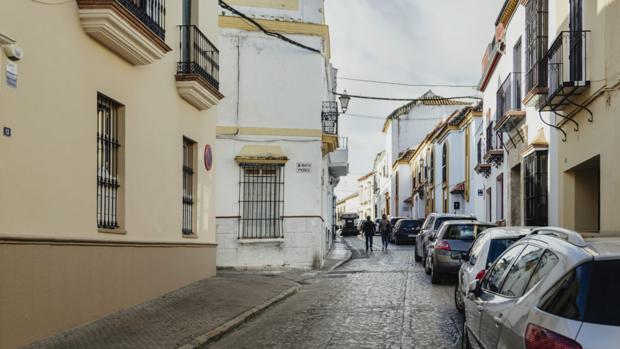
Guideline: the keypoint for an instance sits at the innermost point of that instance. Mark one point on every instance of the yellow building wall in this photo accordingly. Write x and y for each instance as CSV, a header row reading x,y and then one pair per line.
x,y
600,137
51,252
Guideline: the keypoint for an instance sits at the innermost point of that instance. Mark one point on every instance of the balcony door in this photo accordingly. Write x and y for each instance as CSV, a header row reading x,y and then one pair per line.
x,y
186,31
575,26
517,63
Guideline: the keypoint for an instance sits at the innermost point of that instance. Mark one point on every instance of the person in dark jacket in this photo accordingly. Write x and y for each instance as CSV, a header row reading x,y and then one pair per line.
x,y
385,228
369,231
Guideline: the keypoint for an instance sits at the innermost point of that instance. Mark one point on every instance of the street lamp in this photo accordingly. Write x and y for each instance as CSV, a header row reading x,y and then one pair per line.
x,y
344,101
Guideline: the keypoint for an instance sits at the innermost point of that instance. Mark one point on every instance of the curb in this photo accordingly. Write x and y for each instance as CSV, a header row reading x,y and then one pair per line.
x,y
230,325
347,259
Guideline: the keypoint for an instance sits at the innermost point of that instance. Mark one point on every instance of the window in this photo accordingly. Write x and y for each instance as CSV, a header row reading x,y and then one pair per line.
x,y
497,247
110,124
476,248
536,189
444,164
188,186
547,262
519,275
261,201
467,162
536,27
587,293
493,281
464,232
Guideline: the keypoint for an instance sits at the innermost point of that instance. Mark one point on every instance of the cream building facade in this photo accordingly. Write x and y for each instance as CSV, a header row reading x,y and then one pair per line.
x,y
583,90
279,152
106,198
366,189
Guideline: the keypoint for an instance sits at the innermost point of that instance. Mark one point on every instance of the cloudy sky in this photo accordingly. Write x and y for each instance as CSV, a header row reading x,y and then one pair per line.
x,y
408,41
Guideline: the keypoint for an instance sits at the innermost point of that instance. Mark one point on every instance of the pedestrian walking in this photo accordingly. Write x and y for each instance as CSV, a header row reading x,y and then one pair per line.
x,y
369,231
385,228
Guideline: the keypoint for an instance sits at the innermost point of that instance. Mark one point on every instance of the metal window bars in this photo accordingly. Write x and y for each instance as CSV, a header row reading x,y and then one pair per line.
x,y
566,63
188,186
198,55
261,201
536,24
494,140
108,144
152,13
329,117
508,96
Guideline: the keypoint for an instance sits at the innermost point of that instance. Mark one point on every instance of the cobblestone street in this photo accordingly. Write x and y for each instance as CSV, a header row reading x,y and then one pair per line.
x,y
383,300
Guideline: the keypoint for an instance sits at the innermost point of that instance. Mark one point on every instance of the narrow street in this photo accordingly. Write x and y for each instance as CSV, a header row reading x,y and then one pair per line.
x,y
384,300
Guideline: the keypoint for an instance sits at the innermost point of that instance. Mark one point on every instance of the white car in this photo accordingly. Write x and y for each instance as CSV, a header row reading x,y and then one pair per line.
x,y
484,251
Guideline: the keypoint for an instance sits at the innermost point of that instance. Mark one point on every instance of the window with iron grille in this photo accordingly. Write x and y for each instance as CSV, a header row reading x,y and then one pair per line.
x,y
536,37
109,162
536,189
189,160
444,164
261,201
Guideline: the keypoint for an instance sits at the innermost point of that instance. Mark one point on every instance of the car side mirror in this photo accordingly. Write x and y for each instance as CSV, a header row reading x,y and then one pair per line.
x,y
466,257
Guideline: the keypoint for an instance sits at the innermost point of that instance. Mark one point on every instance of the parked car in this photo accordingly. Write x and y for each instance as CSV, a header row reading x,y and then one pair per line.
x,y
484,251
552,289
349,226
450,245
431,224
406,230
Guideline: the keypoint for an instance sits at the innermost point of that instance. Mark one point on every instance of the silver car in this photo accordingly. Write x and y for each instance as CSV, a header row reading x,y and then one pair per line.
x,y
487,247
450,245
431,225
553,289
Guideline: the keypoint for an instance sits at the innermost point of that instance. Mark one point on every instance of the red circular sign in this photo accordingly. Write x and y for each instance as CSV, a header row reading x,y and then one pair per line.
x,y
208,157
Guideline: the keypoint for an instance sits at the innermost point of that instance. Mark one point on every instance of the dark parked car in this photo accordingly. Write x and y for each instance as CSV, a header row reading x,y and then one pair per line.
x,y
406,230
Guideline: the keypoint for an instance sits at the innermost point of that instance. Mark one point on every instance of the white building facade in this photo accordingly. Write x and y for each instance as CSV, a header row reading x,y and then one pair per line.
x,y
513,146
279,155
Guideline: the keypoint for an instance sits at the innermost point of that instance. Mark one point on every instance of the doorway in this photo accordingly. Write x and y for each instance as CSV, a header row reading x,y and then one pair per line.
x,y
587,186
489,198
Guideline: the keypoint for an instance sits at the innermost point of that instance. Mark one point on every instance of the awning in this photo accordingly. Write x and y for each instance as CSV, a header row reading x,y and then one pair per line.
x,y
261,154
458,189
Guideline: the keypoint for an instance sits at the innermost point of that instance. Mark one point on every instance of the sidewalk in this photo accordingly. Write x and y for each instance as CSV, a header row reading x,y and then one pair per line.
x,y
191,316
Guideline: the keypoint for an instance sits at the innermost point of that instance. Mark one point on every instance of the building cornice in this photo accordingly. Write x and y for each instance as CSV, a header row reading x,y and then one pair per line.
x,y
268,131
285,27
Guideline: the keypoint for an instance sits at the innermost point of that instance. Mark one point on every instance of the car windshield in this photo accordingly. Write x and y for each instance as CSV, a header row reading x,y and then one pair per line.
x,y
409,224
588,293
497,247
439,221
464,232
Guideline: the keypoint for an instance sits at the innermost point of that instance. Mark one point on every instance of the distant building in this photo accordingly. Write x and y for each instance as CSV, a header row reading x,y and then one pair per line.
x,y
349,204
366,185
381,185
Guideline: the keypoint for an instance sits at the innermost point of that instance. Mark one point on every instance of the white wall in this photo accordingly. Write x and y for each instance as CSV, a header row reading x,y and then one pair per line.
x,y
308,11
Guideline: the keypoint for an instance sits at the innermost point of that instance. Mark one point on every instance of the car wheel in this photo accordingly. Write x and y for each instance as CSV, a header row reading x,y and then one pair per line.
x,y
458,300
416,256
435,276
427,267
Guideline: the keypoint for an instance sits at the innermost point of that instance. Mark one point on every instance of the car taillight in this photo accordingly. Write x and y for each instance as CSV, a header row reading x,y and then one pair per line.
x,y
442,245
481,274
537,337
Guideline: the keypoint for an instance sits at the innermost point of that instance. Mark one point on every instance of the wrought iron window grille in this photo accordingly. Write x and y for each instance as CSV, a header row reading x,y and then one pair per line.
x,y
152,13
261,201
188,186
109,126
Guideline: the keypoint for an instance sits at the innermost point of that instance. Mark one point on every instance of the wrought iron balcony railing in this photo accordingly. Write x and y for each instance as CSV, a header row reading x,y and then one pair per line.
x,y
151,13
508,96
567,64
198,55
329,117
494,140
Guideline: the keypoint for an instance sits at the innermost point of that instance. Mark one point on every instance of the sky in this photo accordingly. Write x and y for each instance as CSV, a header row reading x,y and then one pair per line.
x,y
404,41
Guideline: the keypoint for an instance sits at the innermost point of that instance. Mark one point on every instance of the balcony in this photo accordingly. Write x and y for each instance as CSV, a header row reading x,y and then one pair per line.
x,y
329,125
198,69
494,144
509,112
339,159
134,29
566,70
482,168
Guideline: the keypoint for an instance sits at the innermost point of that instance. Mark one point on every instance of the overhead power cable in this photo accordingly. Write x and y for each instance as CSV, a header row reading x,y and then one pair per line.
x,y
267,32
432,99
403,84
